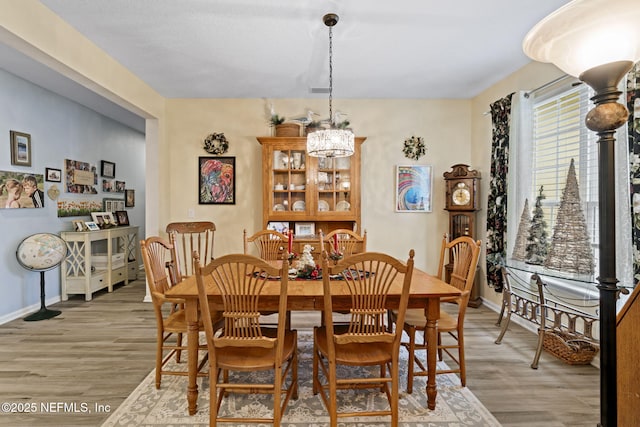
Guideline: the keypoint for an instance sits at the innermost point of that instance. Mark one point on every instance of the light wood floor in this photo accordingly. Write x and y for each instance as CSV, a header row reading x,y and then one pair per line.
x,y
97,352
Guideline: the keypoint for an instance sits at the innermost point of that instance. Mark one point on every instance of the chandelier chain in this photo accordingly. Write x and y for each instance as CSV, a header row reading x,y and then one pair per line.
x,y
330,75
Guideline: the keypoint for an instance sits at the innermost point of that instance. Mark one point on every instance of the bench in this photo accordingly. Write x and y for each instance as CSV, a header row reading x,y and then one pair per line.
x,y
530,303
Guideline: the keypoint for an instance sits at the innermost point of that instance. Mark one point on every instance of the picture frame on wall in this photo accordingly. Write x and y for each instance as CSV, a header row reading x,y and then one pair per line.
x,y
112,205
107,169
129,198
217,180
20,148
413,188
53,175
122,217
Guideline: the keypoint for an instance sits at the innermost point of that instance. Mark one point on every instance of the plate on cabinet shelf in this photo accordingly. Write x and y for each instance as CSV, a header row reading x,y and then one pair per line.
x,y
279,207
343,206
299,206
323,206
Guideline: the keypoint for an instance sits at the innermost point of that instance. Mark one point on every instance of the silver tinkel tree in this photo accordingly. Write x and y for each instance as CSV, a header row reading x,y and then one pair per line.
x,y
520,246
570,246
537,244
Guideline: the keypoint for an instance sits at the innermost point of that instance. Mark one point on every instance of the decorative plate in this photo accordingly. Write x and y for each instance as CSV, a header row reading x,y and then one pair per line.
x,y
343,206
216,143
323,206
279,208
414,148
299,206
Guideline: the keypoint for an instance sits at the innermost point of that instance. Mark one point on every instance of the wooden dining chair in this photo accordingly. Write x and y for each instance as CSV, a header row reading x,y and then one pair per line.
x,y
270,244
187,237
461,256
158,259
244,345
365,341
349,242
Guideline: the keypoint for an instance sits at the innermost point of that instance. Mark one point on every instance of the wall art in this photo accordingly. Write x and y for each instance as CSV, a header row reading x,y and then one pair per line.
x,y
20,148
20,190
80,177
217,180
413,188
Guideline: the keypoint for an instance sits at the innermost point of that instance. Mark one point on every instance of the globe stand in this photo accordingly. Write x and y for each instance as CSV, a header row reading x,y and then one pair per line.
x,y
44,313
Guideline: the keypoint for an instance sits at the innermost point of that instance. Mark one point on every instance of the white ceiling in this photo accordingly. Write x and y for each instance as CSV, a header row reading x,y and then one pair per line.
x,y
279,48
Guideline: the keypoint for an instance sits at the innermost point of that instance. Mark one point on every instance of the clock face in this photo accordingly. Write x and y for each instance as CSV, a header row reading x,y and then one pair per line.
x,y
461,195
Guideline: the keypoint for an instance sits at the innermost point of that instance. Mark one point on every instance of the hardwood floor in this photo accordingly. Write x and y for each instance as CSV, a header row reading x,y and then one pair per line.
x,y
97,352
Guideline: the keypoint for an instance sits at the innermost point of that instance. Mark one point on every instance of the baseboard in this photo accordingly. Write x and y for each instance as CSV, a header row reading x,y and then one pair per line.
x,y
25,311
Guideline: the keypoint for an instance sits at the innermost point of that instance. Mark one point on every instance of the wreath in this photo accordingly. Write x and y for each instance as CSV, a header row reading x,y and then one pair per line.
x,y
216,143
414,147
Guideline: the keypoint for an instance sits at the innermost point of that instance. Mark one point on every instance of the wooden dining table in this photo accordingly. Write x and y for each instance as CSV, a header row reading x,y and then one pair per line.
x,y
307,295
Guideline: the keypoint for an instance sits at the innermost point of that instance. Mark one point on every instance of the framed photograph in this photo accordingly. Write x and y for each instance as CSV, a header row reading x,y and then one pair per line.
x,y
122,217
21,190
120,186
107,186
305,229
217,180
413,188
107,169
81,177
129,198
280,227
103,219
79,225
112,205
92,226
53,175
20,148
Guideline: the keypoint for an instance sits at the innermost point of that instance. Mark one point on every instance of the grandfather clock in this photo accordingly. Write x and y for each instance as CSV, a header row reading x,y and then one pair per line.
x,y
462,203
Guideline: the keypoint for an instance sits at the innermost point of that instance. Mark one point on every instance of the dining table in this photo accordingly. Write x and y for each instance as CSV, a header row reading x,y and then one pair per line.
x,y
307,295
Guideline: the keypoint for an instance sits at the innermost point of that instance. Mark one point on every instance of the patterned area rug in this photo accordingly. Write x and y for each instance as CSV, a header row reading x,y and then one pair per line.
x,y
455,406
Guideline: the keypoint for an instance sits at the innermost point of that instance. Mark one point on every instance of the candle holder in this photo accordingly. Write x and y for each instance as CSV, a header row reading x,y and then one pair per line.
x,y
336,256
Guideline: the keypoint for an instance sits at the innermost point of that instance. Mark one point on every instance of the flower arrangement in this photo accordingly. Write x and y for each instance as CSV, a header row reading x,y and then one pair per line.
x,y
336,255
414,147
309,271
216,143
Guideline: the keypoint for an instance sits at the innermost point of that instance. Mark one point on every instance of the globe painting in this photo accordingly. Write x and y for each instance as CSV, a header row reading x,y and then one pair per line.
x,y
41,251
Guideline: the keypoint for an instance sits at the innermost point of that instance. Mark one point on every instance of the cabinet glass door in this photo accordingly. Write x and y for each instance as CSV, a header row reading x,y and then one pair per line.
x,y
334,185
289,181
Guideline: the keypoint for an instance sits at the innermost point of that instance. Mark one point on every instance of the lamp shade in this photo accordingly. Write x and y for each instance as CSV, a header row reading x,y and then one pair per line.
x,y
584,34
330,143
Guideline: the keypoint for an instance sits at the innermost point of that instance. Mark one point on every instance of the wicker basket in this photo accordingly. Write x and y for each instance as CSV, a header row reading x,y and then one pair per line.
x,y
569,348
288,129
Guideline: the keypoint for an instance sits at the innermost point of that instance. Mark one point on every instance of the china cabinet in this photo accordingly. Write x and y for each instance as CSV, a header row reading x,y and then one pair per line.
x,y
298,188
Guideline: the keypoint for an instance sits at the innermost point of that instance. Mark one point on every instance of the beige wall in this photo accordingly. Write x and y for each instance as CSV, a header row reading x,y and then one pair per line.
x,y
444,124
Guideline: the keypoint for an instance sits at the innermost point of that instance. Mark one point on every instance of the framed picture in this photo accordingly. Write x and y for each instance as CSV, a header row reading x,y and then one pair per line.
x,y
53,175
413,188
217,180
120,186
103,219
305,229
79,225
21,190
129,198
107,169
280,227
20,148
92,226
81,177
122,217
107,186
112,205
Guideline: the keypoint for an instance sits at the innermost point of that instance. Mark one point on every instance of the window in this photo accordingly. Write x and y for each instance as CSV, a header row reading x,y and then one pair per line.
x,y
551,134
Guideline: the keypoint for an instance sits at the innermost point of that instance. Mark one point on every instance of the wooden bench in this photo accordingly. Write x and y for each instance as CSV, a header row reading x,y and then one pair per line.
x,y
551,316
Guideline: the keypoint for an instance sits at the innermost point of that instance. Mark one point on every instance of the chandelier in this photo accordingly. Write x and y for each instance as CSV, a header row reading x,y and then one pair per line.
x,y
332,142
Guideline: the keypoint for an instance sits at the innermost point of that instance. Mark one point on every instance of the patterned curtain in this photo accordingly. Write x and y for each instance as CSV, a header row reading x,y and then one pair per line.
x,y
497,204
633,104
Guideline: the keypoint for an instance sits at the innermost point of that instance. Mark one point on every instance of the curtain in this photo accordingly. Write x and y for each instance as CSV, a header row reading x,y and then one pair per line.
x,y
497,203
633,132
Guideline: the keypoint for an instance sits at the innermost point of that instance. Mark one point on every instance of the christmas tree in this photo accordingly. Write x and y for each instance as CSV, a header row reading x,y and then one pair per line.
x,y
520,247
537,245
570,246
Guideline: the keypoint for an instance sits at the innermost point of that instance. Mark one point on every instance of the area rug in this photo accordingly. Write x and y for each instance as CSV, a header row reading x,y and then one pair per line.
x,y
455,405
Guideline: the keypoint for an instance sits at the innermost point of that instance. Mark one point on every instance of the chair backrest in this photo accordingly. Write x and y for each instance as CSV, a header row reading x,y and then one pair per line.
x,y
270,244
240,279
157,256
369,277
187,237
461,254
347,241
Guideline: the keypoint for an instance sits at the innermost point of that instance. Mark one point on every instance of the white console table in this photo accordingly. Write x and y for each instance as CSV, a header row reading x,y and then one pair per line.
x,y
79,275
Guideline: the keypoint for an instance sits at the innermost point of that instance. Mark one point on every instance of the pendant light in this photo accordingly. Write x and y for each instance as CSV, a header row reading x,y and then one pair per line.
x,y
332,142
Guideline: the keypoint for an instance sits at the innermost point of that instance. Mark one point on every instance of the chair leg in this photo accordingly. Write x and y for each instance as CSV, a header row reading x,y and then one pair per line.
x,y
411,331
277,389
463,368
333,399
315,378
395,385
159,343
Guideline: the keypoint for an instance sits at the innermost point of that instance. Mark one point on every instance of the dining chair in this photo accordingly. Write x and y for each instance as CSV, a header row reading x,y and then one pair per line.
x,y
158,258
461,256
270,244
347,241
365,341
187,237
243,344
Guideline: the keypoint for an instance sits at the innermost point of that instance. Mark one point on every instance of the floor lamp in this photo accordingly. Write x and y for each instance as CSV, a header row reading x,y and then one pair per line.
x,y
597,41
